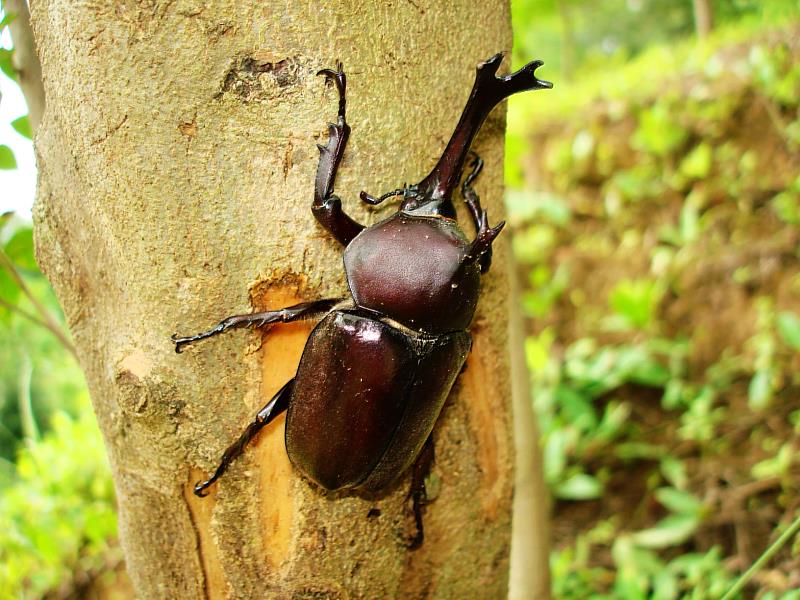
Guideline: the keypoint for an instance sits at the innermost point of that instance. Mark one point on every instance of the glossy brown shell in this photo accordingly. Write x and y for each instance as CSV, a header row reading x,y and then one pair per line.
x,y
366,398
413,270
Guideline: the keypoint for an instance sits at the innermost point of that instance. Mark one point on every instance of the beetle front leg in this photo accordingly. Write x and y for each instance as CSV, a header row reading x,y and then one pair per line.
x,y
304,310
273,408
418,493
473,202
327,207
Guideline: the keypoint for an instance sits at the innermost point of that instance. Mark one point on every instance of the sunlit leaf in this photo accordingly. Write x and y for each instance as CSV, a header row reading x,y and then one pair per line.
x,y
9,293
759,392
674,471
23,127
636,301
7,159
659,131
6,63
555,455
678,501
670,531
697,164
20,249
579,487
788,325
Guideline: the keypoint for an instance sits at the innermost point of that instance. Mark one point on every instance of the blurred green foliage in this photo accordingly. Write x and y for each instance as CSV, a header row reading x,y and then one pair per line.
x,y
655,227
53,381
57,512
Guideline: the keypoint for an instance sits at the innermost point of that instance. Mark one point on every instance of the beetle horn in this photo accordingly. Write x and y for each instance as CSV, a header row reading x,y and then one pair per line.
x,y
487,91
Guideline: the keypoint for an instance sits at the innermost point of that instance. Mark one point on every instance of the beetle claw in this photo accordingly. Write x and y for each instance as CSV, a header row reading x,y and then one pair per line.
x,y
200,489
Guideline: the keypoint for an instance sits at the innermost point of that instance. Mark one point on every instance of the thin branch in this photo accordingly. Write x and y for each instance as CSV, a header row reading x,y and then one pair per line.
x,y
763,559
45,318
34,319
27,417
23,313
26,60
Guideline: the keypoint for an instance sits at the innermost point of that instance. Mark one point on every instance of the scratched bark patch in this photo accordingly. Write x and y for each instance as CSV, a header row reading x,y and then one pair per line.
x,y
259,76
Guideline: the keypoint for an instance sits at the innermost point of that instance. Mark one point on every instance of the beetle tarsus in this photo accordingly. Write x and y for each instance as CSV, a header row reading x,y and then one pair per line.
x,y
278,404
477,167
340,80
471,197
373,201
327,207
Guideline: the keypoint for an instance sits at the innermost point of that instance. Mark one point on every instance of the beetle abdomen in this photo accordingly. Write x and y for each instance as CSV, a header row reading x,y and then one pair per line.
x,y
413,269
365,399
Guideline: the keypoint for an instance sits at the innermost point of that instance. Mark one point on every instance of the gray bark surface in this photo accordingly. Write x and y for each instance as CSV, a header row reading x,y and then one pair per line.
x,y
177,159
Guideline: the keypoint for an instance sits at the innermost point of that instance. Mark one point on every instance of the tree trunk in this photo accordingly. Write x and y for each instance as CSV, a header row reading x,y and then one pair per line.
x,y
703,17
177,158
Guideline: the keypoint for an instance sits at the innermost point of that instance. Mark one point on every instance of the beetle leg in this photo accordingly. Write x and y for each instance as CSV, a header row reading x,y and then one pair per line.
x,y
471,198
481,248
303,310
473,202
418,493
327,207
265,416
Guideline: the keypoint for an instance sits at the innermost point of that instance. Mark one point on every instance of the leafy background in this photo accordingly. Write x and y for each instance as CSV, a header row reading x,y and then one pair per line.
x,y
654,198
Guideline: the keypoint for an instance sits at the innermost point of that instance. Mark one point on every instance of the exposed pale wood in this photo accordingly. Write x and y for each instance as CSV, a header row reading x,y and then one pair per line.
x,y
175,189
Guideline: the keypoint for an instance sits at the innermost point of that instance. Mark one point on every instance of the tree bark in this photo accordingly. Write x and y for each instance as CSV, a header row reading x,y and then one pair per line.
x,y
177,164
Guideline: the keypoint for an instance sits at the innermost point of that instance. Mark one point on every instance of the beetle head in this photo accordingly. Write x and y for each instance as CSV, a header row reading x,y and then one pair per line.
x,y
423,203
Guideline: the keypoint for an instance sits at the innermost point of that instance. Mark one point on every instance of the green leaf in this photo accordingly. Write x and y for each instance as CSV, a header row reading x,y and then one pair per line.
x,y
20,249
788,325
670,531
674,471
759,392
7,160
5,218
9,293
7,18
786,207
6,63
636,301
679,501
579,487
23,127
658,131
555,455
697,164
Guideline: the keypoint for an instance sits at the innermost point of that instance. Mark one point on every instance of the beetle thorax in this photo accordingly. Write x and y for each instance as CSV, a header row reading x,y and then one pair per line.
x,y
414,270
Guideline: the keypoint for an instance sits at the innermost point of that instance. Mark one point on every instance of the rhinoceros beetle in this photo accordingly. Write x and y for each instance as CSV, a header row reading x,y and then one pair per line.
x,y
378,367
